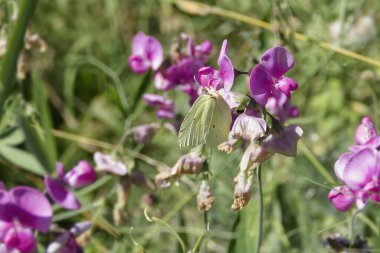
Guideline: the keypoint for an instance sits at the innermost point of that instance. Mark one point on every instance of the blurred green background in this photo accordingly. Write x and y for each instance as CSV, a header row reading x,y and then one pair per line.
x,y
86,65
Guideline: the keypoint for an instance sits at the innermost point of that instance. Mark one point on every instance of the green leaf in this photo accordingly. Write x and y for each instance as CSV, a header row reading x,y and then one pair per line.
x,y
22,159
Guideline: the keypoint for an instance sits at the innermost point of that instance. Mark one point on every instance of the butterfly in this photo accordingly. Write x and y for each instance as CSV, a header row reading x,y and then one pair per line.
x,y
208,122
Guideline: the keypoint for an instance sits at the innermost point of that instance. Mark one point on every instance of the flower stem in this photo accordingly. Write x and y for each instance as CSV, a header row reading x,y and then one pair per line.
x,y
260,216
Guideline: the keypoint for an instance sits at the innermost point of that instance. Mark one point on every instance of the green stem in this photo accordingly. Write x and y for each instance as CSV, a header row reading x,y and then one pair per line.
x,y
15,44
260,216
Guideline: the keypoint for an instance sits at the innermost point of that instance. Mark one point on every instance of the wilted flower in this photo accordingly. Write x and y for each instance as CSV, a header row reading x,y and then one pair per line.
x,y
109,163
164,105
21,210
248,126
283,142
79,176
242,194
146,53
35,41
191,163
205,199
208,77
269,75
144,133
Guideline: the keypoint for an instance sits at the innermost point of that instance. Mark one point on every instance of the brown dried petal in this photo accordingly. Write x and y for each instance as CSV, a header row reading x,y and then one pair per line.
x,y
243,182
205,199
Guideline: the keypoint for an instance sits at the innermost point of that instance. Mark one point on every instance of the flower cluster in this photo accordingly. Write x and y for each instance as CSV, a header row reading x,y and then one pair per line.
x,y
359,170
24,210
176,71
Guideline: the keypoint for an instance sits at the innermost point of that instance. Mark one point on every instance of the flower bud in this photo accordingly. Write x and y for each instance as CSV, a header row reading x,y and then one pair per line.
x,y
342,198
191,163
365,131
144,133
81,175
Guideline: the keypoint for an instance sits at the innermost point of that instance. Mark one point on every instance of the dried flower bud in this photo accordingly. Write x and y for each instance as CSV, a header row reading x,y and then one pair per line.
x,y
243,182
21,67
35,41
191,163
227,146
253,156
205,199
163,179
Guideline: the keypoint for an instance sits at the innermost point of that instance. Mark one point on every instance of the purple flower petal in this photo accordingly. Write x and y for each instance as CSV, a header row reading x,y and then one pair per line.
x,y
60,195
226,72
286,85
81,175
361,168
154,52
31,208
163,113
260,84
156,100
204,76
223,51
365,131
284,143
6,211
144,133
21,239
138,64
138,44
340,165
60,169
342,198
205,48
277,61
161,82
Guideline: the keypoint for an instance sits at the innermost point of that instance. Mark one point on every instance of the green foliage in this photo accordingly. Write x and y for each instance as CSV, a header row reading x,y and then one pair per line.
x,y
82,85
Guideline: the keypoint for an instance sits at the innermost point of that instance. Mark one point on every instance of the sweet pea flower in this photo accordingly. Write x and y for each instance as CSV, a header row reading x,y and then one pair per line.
x,y
22,209
79,176
165,106
365,131
342,198
269,75
208,77
109,163
15,238
279,105
147,53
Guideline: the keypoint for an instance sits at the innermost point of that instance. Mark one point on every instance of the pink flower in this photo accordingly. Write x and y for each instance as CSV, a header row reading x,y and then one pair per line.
x,y
146,53
109,163
342,198
268,76
209,77
279,105
165,106
365,131
80,176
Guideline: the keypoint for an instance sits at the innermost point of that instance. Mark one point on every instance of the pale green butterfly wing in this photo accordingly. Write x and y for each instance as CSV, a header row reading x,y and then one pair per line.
x,y
208,122
195,127
220,123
